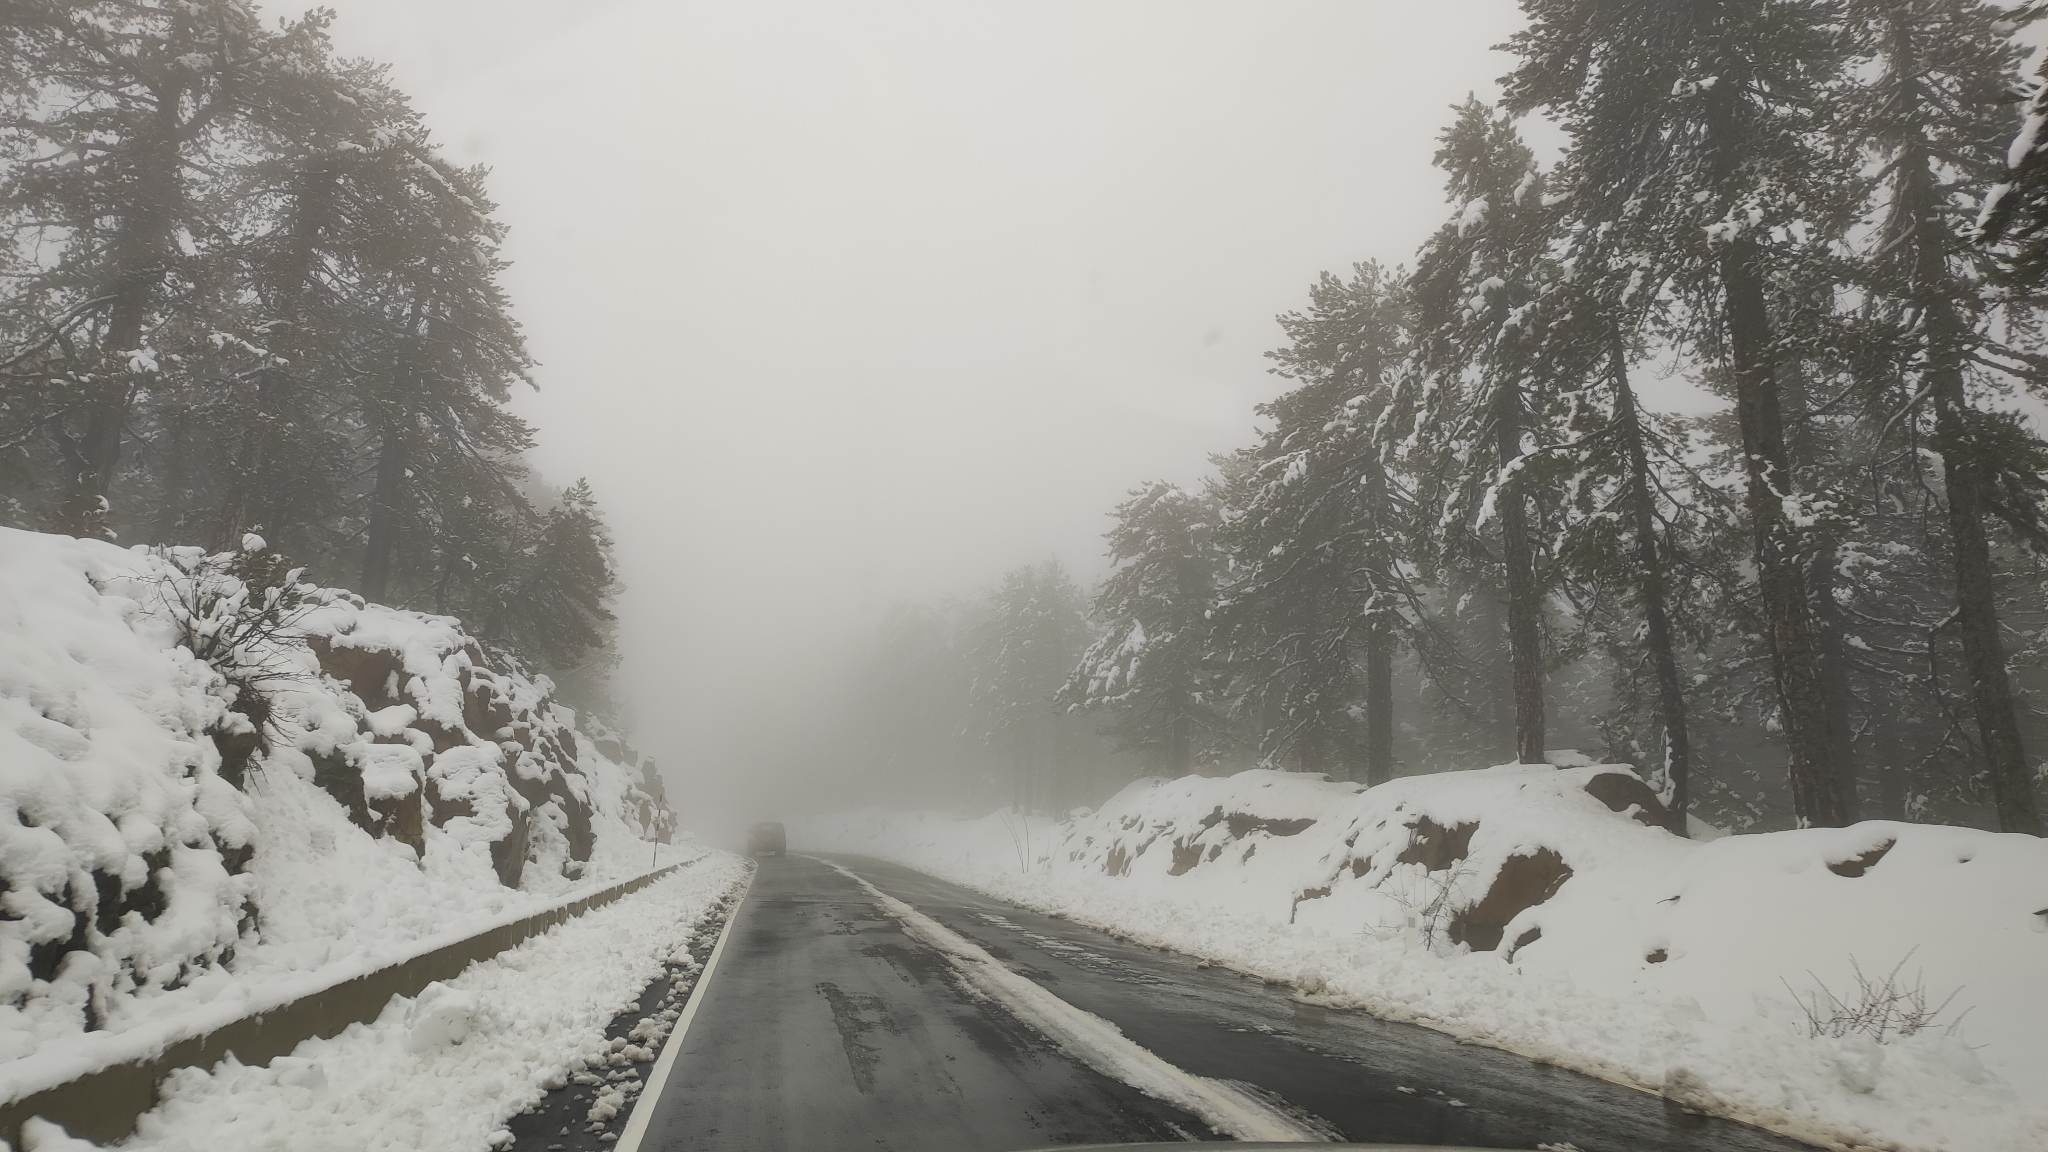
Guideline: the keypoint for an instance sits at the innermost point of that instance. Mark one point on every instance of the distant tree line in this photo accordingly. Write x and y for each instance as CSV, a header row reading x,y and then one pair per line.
x,y
244,292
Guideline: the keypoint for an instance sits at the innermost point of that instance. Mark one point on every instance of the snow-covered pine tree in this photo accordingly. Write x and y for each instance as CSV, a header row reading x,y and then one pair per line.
x,y
1150,662
1470,399
556,604
1933,115
127,104
1354,335
448,351
2012,214
1633,520
1692,129
327,131
1314,606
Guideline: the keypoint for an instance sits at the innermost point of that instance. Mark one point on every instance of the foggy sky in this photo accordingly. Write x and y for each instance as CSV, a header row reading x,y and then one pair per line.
x,y
839,304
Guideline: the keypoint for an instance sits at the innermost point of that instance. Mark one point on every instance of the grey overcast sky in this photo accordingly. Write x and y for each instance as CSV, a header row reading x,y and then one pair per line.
x,y
843,303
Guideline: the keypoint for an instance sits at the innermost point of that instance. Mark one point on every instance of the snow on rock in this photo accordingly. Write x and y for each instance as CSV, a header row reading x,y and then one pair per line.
x,y
1545,910
176,844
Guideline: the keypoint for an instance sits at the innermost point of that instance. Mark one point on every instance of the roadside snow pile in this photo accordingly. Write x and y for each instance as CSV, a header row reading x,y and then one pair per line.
x,y
218,785
1544,910
447,1068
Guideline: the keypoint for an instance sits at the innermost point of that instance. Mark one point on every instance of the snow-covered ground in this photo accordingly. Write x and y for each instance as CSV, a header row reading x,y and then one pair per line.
x,y
163,871
446,1069
1524,907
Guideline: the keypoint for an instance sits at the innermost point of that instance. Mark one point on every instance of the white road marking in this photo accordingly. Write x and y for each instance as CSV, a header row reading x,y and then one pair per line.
x,y
1094,1041
657,1080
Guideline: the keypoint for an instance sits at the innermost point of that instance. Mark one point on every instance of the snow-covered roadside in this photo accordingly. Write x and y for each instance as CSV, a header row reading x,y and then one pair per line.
x,y
1657,962
272,985
445,1070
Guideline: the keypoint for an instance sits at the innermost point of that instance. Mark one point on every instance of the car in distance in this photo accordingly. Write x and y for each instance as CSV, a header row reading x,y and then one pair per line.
x,y
767,839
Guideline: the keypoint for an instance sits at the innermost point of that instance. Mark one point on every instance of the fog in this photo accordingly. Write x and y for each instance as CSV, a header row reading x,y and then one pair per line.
x,y
840,305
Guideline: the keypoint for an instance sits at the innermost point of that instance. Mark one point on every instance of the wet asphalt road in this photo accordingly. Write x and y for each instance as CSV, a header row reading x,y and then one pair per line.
x,y
825,1026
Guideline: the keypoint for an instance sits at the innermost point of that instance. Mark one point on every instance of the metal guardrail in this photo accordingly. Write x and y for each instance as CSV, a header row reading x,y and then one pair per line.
x,y
104,1105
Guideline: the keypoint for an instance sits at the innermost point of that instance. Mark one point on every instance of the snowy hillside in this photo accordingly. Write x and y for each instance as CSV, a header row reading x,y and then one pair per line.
x,y
1543,910
218,784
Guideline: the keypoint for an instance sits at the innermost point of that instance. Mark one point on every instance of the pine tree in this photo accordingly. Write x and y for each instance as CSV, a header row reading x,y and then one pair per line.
x,y
130,98
1032,633
1470,399
1150,662
1632,515
448,351
328,134
1692,128
1309,513
2013,211
556,606
1354,335
1933,116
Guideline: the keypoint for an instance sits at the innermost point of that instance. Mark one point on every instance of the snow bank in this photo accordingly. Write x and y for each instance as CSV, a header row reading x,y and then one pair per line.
x,y
446,1069
174,846
1542,910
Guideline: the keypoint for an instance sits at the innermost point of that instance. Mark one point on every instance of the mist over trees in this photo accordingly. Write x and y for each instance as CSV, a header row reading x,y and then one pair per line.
x,y
1466,531
245,292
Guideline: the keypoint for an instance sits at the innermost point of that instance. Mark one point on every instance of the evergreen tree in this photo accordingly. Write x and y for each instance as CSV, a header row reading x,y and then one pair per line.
x,y
1150,662
1633,521
1030,637
1692,132
1471,402
130,101
2013,211
555,608
1933,116
1309,513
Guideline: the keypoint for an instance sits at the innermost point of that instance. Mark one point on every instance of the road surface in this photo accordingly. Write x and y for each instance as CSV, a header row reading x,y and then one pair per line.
x,y
830,1025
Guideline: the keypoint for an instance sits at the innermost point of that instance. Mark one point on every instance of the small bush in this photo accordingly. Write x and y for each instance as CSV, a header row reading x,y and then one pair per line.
x,y
1878,1008
237,612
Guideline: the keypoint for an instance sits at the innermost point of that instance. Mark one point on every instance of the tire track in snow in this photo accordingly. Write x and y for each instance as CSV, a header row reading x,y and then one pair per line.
x,y
1228,1108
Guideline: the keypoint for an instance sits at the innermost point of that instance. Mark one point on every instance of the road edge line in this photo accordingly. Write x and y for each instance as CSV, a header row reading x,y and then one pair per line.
x,y
1096,1042
657,1080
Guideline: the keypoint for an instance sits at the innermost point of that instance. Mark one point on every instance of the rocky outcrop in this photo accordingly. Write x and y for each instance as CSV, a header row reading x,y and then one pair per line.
x,y
444,736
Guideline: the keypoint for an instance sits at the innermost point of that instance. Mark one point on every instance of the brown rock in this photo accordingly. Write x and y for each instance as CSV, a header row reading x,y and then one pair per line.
x,y
1242,825
508,856
333,774
441,809
236,749
1862,862
1624,791
1434,846
366,671
403,819
1524,881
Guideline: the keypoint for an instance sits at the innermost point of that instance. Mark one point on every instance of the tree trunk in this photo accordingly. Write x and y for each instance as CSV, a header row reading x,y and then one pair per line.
x,y
1817,757
1179,741
1652,589
176,448
1977,626
1379,638
385,506
1525,627
1803,451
